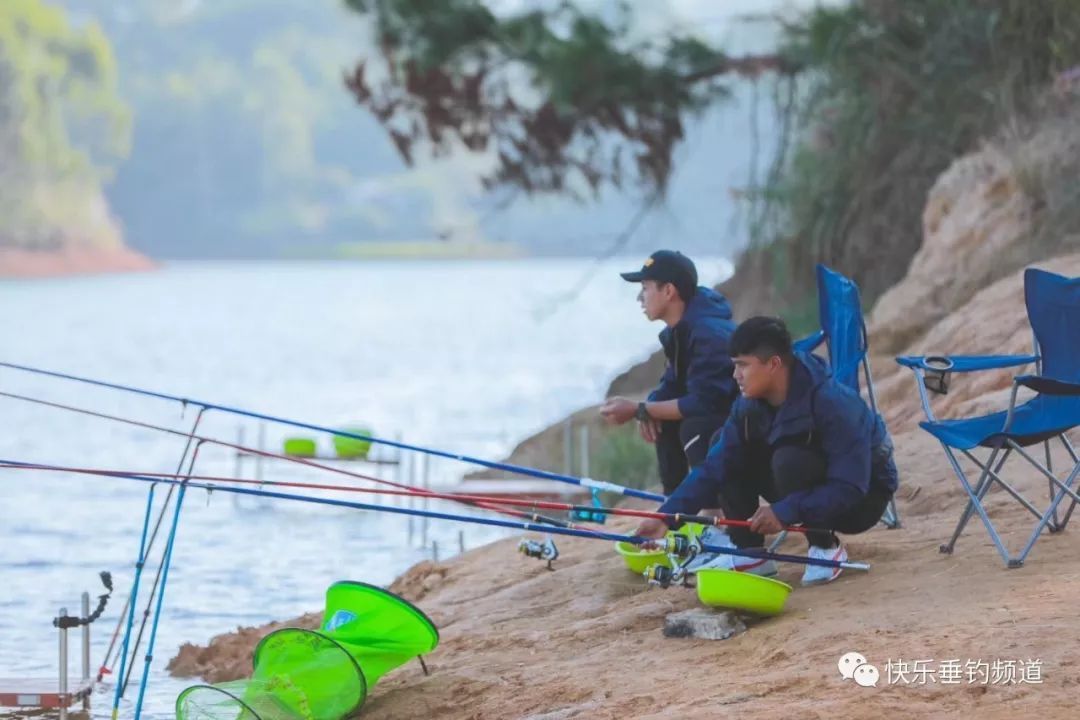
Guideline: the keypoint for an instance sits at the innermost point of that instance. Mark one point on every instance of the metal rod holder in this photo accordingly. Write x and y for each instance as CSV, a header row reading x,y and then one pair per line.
x,y
583,450
261,446
63,687
425,502
86,650
412,497
568,446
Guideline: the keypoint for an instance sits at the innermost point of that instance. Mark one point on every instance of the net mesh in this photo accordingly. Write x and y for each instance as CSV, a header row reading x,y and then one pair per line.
x,y
320,675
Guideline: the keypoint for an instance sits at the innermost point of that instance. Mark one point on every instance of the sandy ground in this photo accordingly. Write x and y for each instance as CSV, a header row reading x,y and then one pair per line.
x,y
585,641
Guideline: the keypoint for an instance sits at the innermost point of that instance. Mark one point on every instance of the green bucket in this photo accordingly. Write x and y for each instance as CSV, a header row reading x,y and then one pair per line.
x,y
300,447
638,560
349,448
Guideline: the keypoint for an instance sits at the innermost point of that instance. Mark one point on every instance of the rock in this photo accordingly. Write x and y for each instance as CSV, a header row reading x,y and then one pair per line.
x,y
703,624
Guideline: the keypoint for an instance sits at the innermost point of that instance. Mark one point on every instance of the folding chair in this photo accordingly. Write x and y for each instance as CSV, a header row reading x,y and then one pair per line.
x,y
1053,307
843,330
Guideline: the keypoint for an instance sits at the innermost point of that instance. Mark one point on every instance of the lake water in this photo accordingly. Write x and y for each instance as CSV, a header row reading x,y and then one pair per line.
x,y
465,356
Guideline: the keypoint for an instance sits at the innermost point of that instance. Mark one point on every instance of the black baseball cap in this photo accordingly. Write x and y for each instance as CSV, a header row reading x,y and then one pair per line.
x,y
668,266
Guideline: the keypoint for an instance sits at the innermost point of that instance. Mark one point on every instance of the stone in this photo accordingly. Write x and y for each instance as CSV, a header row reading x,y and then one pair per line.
x,y
703,624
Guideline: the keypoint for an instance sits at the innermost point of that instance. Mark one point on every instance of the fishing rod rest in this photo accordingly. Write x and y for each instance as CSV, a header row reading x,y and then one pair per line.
x,y
66,622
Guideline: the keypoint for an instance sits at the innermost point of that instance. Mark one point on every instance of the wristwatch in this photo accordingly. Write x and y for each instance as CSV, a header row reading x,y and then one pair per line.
x,y
642,413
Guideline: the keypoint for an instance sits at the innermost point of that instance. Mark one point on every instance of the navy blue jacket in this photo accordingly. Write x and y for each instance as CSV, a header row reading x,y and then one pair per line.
x,y
699,368
819,411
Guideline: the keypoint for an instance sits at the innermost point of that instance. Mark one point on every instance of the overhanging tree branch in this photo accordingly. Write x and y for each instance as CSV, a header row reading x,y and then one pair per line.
x,y
556,98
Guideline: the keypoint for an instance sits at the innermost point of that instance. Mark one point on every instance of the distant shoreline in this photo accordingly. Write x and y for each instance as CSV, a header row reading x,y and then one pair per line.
x,y
17,263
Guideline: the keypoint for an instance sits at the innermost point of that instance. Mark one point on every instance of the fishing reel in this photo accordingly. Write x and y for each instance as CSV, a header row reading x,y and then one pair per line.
x,y
663,576
681,550
544,550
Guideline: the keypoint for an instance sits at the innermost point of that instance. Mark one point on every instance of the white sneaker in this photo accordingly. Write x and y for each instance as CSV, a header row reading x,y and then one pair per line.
x,y
738,563
714,536
819,574
721,561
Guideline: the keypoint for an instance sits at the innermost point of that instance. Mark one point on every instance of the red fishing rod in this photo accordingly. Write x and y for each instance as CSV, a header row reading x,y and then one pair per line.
x,y
468,499
677,545
409,489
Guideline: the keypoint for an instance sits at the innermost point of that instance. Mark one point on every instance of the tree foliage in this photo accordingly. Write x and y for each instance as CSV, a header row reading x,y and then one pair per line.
x,y
876,97
893,93
244,141
543,90
62,127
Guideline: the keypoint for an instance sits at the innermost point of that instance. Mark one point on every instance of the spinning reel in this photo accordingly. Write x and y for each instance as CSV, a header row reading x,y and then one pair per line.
x,y
545,550
681,550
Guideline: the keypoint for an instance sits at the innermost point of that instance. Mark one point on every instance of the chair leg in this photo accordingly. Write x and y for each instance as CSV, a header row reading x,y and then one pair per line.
x,y
1049,476
977,505
1056,524
996,477
980,492
1051,511
1076,461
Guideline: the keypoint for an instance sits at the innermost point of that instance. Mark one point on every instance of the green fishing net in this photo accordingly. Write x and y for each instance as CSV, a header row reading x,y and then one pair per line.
x,y
322,674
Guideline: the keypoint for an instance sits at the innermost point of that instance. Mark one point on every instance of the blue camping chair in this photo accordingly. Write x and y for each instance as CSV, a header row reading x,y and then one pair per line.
x,y
843,330
1053,307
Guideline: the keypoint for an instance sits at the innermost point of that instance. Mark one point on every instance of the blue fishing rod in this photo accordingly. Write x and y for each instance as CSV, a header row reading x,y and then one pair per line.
x,y
598,485
436,515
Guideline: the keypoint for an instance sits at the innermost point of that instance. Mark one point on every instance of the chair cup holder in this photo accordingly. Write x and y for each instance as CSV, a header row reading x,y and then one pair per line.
x,y
937,373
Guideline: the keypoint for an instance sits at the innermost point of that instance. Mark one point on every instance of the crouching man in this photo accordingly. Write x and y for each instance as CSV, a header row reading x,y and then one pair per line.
x,y
803,441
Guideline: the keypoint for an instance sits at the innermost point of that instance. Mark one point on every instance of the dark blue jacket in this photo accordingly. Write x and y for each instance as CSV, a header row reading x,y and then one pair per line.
x,y
819,411
699,368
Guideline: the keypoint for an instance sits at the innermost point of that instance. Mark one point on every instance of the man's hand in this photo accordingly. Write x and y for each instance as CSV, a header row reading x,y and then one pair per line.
x,y
618,410
650,430
765,521
654,528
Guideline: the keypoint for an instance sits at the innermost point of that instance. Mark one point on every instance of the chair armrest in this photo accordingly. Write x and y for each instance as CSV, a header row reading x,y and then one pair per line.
x,y
966,363
1048,386
810,342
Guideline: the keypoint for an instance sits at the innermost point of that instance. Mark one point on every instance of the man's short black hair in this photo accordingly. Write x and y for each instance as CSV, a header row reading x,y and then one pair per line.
x,y
762,337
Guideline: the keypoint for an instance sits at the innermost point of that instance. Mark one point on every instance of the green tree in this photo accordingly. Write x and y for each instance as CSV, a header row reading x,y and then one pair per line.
x,y
62,128
243,137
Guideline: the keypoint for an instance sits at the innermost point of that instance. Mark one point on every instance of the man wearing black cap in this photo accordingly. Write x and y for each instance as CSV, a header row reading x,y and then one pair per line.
x,y
697,389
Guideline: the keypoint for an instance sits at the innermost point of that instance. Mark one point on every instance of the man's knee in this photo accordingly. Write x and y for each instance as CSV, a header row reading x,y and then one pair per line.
x,y
796,468
865,515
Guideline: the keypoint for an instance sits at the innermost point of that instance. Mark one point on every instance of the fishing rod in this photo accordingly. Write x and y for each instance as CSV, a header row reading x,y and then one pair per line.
x,y
508,467
439,515
547,552
149,547
133,596
677,518
162,567
418,492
